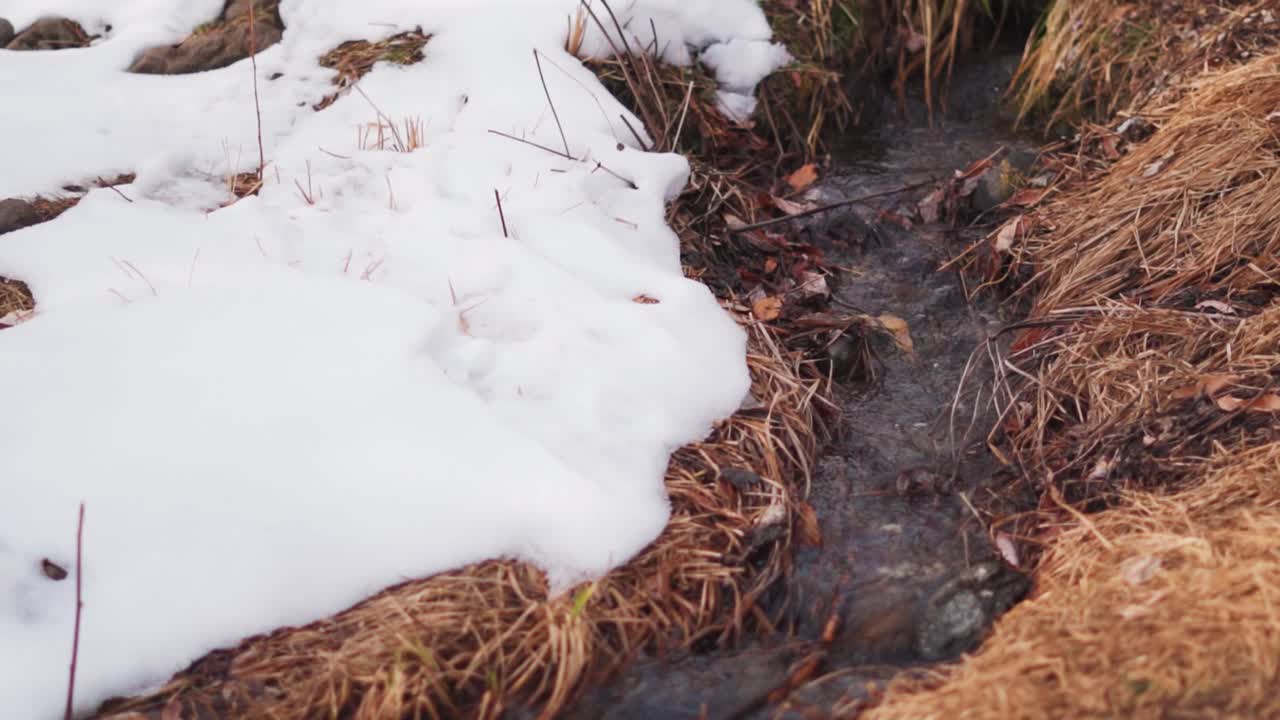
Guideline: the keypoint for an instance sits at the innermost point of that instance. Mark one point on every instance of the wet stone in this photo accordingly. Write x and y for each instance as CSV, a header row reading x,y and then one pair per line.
x,y
6,32
16,214
216,44
49,34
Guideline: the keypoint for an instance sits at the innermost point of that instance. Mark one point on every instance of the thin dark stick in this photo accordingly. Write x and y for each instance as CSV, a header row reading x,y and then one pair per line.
x,y
599,165
501,216
547,92
113,188
557,153
75,638
631,184
639,140
832,206
257,107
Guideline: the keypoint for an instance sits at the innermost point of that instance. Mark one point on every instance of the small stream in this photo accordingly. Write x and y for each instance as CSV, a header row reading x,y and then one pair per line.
x,y
905,575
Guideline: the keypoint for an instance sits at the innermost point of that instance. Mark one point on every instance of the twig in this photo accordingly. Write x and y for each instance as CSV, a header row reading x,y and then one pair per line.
x,y
639,140
113,188
688,96
599,165
257,107
832,206
75,637
501,217
550,102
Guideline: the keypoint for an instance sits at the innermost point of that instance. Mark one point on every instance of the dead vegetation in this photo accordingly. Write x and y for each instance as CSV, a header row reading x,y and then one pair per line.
x,y
1094,58
352,60
1140,398
1163,607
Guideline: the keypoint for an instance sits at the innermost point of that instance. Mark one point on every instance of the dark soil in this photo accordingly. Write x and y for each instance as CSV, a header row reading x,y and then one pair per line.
x,y
906,574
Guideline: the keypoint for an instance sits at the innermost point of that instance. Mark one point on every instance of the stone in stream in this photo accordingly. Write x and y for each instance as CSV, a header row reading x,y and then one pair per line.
x,y
16,214
6,32
48,34
216,44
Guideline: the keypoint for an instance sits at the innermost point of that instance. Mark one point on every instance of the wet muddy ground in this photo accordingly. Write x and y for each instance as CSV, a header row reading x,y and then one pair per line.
x,y
905,575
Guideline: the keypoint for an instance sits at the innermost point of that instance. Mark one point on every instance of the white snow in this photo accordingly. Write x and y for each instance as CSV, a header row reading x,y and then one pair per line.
x,y
275,408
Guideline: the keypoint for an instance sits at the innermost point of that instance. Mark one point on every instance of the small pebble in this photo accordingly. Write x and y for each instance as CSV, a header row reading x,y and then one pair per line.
x,y
6,32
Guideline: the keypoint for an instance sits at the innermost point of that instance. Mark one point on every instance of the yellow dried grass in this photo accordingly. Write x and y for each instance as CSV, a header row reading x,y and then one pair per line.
x,y
1155,324
1166,607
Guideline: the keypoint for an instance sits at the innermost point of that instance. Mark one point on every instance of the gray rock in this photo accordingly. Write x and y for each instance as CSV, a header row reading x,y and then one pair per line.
x,y
215,45
6,32
16,214
50,34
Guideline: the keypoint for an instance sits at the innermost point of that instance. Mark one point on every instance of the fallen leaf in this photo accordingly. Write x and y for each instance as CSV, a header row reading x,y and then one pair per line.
x,y
901,332
1207,384
770,264
802,178
792,208
931,206
172,710
1007,233
812,285
1111,146
1269,402
767,308
1138,570
52,570
1217,306
1027,197
808,530
1007,547
733,221
645,300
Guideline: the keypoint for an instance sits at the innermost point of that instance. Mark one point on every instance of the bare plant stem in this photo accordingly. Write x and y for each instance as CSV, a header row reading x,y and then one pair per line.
x,y
546,91
257,107
501,216
75,637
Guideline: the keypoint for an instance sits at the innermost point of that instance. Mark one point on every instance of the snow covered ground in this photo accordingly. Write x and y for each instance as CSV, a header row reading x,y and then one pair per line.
x,y
274,409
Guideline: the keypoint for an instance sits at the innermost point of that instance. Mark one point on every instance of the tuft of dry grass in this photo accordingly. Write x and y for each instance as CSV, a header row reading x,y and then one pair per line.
x,y
1099,57
1162,270
15,296
1163,607
353,59
1140,403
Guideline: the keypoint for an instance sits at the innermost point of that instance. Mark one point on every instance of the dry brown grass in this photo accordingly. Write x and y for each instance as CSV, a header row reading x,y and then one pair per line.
x,y
1097,57
1161,270
352,60
15,296
1166,607
1141,400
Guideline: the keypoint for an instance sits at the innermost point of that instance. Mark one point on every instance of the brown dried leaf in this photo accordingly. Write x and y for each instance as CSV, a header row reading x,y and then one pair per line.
x,y
52,570
767,308
645,300
1027,197
901,332
792,208
1007,233
802,178
808,529
1007,547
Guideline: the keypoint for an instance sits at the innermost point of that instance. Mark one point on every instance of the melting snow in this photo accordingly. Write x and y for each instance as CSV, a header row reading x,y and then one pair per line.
x,y
277,408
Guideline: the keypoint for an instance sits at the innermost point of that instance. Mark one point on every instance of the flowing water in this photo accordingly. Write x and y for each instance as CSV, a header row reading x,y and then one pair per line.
x,y
906,575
